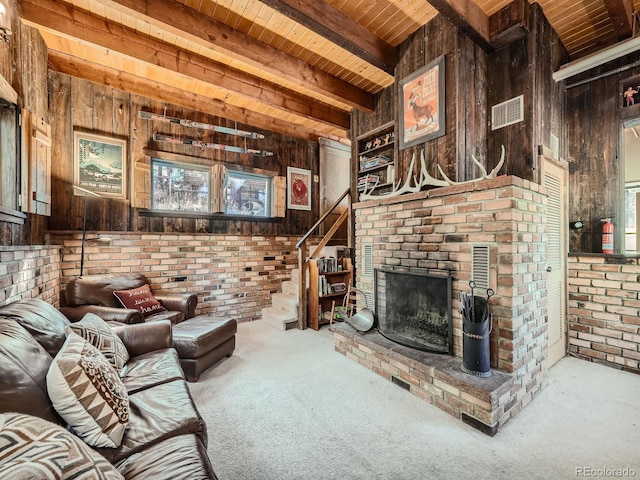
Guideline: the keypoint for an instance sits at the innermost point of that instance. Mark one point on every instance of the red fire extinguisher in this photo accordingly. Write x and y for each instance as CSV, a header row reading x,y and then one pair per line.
x,y
607,236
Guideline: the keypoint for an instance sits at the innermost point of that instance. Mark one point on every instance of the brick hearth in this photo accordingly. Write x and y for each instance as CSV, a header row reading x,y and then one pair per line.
x,y
433,231
436,378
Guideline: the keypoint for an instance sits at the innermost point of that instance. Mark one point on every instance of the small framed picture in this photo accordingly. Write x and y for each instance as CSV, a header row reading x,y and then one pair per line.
x,y
298,189
340,287
100,164
630,93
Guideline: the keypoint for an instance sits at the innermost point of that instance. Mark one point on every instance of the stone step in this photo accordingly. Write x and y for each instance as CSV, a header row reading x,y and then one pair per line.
x,y
295,275
291,288
286,303
279,319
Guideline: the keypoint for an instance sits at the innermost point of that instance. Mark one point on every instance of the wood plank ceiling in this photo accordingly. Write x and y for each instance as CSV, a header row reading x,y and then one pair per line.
x,y
294,67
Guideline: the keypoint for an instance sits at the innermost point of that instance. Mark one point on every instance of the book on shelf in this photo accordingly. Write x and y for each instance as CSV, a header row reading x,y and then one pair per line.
x,y
371,162
328,264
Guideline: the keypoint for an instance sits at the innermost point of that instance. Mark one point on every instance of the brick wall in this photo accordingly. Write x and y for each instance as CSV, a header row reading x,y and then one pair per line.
x,y
434,230
604,310
232,275
29,272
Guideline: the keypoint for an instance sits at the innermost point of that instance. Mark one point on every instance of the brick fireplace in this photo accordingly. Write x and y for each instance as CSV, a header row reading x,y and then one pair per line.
x,y
433,232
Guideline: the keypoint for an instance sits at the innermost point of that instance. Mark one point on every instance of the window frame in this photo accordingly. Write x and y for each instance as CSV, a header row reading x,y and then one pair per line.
x,y
184,166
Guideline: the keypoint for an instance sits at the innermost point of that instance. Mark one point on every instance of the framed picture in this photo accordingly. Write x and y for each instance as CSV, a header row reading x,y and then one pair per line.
x,y
100,164
630,92
299,189
421,104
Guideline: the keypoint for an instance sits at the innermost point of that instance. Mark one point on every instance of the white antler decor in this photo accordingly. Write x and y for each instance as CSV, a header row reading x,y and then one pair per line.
x,y
426,179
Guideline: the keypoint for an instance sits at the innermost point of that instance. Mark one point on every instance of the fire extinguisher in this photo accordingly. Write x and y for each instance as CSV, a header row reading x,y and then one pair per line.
x,y
607,236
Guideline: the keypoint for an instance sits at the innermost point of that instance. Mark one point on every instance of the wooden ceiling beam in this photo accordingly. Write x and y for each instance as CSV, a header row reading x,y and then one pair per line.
x,y
468,17
76,67
74,23
187,23
621,15
322,18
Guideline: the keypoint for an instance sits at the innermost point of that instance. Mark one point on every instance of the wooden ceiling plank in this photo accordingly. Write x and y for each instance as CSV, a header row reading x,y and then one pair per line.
x,y
339,29
184,22
70,65
468,17
621,14
96,31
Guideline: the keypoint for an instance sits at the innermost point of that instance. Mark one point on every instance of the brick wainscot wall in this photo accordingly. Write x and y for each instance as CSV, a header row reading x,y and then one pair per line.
x,y
30,272
233,275
433,231
604,310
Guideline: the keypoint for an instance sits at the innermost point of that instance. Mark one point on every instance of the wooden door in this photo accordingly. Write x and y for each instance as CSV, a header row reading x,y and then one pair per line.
x,y
554,177
335,178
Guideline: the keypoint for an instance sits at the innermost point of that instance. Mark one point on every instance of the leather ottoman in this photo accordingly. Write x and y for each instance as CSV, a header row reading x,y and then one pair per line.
x,y
202,341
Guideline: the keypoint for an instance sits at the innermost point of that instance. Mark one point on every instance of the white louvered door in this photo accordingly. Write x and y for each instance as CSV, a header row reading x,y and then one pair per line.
x,y
555,179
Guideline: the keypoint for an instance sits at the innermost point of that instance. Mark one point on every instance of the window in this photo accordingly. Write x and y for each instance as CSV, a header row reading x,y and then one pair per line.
x,y
238,191
10,164
247,194
179,187
631,192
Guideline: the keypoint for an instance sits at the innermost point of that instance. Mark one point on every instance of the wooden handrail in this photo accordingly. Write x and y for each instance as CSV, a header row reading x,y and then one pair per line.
x,y
323,218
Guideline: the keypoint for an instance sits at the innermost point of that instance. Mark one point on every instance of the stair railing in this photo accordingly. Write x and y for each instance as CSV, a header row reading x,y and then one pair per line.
x,y
303,260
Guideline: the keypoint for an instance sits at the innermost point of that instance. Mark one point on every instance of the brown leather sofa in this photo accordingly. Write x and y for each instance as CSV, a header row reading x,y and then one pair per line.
x,y
165,437
201,340
94,294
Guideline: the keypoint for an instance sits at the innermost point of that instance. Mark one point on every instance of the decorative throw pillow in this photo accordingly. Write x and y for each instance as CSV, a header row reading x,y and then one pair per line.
x,y
140,299
35,449
97,332
88,394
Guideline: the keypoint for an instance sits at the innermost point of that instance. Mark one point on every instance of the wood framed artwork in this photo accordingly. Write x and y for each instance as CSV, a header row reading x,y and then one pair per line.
x,y
421,104
100,164
630,91
298,189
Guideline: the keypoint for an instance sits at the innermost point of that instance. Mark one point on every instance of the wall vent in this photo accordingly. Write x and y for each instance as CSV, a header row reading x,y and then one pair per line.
x,y
507,113
367,259
480,255
369,299
555,146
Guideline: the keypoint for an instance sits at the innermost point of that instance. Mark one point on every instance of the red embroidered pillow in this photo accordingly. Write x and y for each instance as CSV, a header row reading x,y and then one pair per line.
x,y
140,299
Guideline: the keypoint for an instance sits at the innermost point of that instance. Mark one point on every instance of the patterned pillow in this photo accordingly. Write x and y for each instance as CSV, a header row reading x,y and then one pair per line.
x,y
88,394
140,299
95,330
32,448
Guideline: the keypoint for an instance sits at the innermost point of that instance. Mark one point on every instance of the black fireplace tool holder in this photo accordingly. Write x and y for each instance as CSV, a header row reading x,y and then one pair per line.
x,y
476,330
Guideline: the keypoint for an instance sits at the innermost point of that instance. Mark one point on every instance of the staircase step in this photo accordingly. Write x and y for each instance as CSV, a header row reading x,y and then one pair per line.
x,y
287,303
279,319
295,275
291,288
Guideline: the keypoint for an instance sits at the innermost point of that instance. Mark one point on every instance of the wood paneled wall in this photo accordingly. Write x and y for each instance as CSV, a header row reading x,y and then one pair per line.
x,y
475,81
596,181
525,67
77,104
23,64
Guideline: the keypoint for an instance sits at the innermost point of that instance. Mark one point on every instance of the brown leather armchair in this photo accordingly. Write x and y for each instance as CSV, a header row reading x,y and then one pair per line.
x,y
94,294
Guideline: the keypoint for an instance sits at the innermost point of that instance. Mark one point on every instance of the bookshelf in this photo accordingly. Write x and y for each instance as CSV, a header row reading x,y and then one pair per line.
x,y
329,281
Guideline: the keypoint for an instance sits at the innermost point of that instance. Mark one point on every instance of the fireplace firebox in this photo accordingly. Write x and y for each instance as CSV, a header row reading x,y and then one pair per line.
x,y
413,308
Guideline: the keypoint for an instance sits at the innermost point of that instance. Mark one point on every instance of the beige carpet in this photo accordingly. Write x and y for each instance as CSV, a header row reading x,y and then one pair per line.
x,y
287,406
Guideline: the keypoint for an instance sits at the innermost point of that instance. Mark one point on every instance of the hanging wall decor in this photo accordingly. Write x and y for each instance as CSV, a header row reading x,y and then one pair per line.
x,y
421,105
215,146
100,164
298,189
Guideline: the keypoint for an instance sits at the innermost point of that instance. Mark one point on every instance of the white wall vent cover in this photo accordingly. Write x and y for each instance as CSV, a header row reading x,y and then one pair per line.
x,y
507,113
480,265
367,259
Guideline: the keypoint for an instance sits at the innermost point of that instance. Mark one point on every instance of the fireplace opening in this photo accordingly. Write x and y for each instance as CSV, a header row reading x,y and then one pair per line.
x,y
414,309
